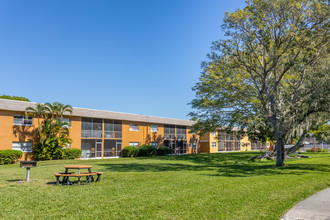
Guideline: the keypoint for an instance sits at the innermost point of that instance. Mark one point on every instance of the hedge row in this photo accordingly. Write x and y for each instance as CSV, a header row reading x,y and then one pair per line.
x,y
72,153
145,151
316,149
10,156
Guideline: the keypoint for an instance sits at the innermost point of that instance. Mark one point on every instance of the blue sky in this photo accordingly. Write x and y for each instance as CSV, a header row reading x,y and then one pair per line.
x,y
138,56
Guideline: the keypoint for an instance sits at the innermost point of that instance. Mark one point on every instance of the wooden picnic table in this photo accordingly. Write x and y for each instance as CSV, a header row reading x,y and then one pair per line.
x,y
78,167
66,178
66,175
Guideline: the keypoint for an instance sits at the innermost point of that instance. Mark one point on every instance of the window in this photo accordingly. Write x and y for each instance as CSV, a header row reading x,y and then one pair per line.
x,y
193,145
214,144
213,133
181,132
155,144
134,144
133,127
153,128
91,127
112,148
112,129
242,144
169,132
267,144
22,146
22,120
221,136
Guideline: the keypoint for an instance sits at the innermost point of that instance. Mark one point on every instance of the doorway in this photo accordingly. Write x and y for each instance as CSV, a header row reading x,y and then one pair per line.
x,y
98,149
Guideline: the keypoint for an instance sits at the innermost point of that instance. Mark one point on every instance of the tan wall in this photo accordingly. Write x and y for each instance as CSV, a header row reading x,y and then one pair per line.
x,y
214,138
247,143
10,133
75,132
143,136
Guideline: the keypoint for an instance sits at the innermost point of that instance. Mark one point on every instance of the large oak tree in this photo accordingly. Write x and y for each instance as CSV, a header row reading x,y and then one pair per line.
x,y
270,73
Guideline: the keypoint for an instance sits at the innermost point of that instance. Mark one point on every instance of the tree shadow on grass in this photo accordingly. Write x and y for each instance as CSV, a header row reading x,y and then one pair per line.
x,y
153,167
248,170
209,158
226,169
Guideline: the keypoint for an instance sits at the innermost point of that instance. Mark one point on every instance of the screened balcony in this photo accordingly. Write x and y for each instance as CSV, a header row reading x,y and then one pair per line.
x,y
112,129
172,132
91,128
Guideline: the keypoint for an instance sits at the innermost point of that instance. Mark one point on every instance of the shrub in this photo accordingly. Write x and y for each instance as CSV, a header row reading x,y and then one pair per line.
x,y
49,151
130,151
163,150
10,156
319,150
325,150
308,150
72,153
146,151
315,149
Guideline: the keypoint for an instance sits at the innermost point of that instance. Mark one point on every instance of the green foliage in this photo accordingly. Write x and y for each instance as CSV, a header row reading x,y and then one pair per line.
x,y
141,151
270,74
317,150
72,153
146,151
130,151
321,132
17,98
50,150
10,156
162,150
53,132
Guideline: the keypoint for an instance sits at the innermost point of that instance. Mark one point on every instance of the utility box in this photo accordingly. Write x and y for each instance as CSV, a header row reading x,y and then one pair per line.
x,y
28,165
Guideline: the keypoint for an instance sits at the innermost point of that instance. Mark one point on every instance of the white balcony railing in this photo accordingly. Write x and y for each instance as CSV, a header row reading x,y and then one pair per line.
x,y
91,134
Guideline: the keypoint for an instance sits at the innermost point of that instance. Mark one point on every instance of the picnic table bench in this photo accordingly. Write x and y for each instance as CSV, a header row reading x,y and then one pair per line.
x,y
66,175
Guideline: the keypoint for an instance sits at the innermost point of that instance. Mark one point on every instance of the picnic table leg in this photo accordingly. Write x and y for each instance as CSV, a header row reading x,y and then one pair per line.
x,y
98,178
79,180
68,180
65,178
89,170
57,180
88,180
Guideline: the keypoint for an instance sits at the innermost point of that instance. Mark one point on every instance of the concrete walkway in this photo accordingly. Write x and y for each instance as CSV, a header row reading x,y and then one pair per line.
x,y
316,207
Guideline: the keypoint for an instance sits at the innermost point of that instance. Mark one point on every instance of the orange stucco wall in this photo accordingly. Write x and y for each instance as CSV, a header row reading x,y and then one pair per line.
x,y
208,138
10,133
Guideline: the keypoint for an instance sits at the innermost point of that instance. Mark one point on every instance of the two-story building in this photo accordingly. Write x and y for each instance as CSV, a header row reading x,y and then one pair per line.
x,y
99,134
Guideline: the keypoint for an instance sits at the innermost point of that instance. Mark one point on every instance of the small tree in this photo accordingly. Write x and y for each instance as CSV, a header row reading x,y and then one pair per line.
x,y
53,132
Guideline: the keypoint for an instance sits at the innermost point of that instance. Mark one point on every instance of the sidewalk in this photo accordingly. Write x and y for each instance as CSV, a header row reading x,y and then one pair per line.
x,y
316,207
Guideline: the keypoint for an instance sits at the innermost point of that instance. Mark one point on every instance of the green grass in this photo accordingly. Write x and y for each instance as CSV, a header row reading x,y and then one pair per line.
x,y
205,186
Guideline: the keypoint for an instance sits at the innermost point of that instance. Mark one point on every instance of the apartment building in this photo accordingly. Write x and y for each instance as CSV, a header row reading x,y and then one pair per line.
x,y
219,141
99,134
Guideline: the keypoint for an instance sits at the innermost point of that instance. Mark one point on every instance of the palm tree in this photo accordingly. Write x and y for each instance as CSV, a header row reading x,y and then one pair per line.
x,y
64,108
55,110
38,112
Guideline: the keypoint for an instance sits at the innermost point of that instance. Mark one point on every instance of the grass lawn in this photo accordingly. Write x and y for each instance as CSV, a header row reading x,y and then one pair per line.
x,y
204,186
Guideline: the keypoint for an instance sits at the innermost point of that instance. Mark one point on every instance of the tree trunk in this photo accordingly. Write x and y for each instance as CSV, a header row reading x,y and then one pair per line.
x,y
280,153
